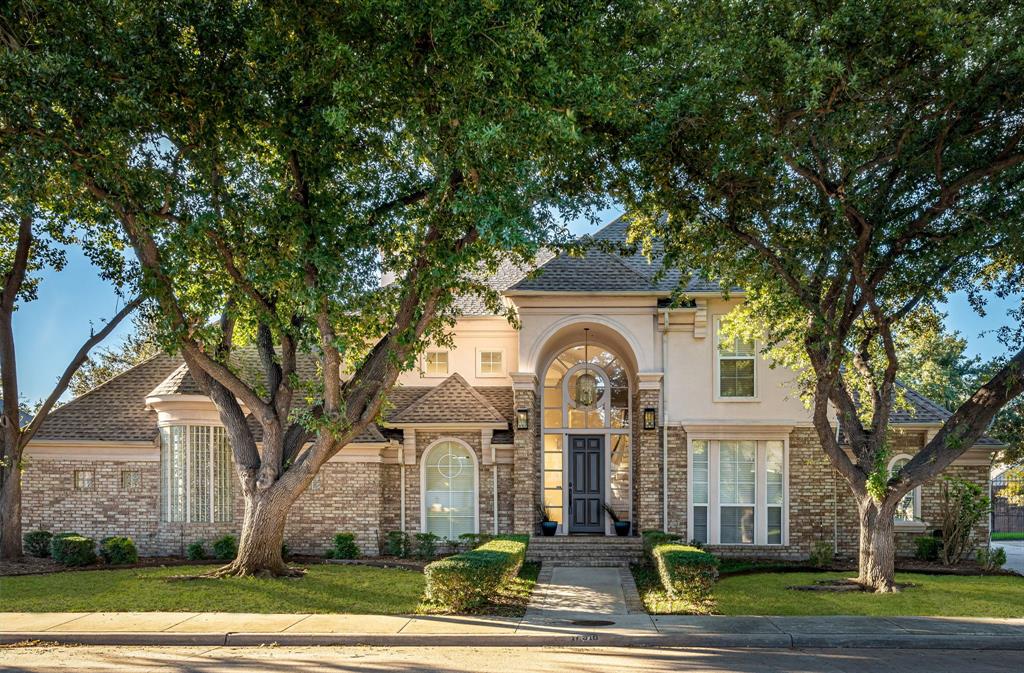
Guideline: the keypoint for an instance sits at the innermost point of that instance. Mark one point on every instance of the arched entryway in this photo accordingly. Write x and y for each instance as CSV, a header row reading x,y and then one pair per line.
x,y
586,438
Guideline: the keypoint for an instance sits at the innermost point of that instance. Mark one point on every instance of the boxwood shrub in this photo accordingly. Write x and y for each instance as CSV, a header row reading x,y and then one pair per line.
x,y
468,579
344,547
225,548
37,543
73,549
118,550
196,551
686,571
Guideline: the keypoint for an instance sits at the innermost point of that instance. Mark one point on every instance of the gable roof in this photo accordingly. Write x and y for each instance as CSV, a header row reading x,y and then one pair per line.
x,y
452,401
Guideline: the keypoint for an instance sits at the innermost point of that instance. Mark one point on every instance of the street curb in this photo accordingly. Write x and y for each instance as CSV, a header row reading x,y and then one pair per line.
x,y
665,640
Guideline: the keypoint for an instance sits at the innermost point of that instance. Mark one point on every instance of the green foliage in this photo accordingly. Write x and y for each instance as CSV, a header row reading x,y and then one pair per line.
x,y
196,551
964,506
653,538
225,547
137,347
927,547
991,559
471,578
286,552
686,572
72,549
344,547
426,546
118,550
37,543
397,544
469,541
823,554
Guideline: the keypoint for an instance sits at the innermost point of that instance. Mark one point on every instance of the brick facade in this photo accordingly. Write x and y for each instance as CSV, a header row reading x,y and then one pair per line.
x,y
364,495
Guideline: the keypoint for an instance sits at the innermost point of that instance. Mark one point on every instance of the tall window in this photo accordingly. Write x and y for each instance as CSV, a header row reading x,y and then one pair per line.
x,y
449,483
909,507
490,363
737,491
736,371
435,363
195,470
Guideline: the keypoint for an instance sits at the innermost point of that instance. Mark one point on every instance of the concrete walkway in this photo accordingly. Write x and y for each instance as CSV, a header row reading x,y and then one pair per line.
x,y
570,606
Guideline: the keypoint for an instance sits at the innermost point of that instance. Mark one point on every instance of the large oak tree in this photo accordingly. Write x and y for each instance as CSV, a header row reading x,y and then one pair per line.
x,y
269,163
846,163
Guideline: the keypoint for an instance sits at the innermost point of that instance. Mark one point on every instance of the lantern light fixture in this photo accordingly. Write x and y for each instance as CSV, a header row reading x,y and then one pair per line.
x,y
586,383
522,419
650,418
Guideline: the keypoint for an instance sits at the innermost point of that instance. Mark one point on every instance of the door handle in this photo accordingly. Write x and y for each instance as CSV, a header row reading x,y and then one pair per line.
x,y
570,498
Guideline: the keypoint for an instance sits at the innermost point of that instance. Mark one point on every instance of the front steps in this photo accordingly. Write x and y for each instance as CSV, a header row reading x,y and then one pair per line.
x,y
584,551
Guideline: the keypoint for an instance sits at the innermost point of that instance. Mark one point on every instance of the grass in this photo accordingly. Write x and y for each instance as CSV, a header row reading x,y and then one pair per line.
x,y
511,600
324,589
1008,536
767,594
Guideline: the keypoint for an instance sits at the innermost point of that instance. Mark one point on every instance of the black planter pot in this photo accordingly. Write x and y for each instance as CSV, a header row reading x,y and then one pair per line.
x,y
549,528
622,528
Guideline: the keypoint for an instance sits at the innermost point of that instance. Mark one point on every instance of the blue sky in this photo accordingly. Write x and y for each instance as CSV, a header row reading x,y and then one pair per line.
x,y
49,330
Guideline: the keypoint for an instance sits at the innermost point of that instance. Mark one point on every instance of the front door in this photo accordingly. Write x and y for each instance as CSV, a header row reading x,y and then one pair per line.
x,y
586,484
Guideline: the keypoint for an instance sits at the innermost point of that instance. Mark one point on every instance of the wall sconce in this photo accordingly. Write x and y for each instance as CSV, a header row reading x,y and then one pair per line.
x,y
522,419
650,418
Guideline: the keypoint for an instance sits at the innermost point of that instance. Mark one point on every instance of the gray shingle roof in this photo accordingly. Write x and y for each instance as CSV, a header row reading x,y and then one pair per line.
x,y
508,273
114,411
451,401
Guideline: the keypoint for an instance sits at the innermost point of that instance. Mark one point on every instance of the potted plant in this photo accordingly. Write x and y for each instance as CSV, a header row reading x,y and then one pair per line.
x,y
547,526
621,527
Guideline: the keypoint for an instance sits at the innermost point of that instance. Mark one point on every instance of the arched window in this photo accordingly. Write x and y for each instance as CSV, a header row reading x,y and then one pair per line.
x,y
909,507
449,490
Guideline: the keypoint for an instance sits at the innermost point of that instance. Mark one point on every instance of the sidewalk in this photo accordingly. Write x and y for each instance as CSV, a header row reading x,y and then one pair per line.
x,y
570,607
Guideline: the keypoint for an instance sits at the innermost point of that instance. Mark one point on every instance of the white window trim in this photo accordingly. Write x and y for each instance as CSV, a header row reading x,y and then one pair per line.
x,y
760,492
717,382
423,365
916,525
165,493
423,481
504,363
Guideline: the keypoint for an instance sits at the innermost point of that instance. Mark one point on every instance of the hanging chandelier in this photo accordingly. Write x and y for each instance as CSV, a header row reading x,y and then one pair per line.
x,y
586,383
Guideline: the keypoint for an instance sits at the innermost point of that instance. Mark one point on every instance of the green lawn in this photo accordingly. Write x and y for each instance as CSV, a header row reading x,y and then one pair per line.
x,y
1008,536
766,594
325,588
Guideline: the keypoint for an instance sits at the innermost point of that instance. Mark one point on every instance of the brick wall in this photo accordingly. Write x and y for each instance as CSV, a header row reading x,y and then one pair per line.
x,y
677,510
647,459
526,478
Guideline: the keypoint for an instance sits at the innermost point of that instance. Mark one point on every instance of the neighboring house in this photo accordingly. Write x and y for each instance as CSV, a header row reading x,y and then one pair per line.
x,y
670,427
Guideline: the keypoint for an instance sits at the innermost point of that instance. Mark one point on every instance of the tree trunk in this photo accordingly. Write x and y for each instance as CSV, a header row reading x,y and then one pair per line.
x,y
877,563
259,545
10,512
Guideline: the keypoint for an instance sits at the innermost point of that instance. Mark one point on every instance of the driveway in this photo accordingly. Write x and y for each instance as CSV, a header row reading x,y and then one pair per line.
x,y
1014,554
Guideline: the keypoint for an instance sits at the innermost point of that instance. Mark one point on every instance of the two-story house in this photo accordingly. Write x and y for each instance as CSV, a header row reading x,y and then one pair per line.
x,y
606,394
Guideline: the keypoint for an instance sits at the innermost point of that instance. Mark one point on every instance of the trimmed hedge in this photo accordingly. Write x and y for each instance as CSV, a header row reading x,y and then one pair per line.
x,y
73,549
686,571
37,543
196,551
118,550
471,578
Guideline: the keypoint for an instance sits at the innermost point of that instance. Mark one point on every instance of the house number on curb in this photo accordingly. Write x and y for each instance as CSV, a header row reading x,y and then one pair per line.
x,y
583,636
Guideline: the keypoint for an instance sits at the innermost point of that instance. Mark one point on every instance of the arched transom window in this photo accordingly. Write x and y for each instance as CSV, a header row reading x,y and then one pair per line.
x,y
449,490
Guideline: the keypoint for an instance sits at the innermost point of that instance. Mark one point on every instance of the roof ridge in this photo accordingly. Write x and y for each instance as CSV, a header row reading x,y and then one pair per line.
x,y
434,391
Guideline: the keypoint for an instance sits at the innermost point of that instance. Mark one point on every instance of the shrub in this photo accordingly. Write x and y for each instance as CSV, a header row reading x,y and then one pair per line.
x,y
73,549
118,550
927,548
964,505
344,546
196,551
822,554
470,541
686,571
286,551
37,543
397,543
426,546
225,548
991,559
470,578
653,538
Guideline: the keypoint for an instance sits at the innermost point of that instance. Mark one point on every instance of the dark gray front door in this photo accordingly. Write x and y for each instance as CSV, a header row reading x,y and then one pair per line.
x,y
586,484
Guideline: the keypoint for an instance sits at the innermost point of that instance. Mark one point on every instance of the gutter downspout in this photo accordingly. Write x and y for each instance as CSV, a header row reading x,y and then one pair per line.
x,y
494,474
401,486
664,425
